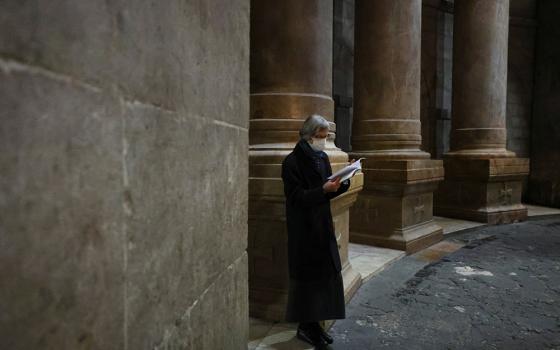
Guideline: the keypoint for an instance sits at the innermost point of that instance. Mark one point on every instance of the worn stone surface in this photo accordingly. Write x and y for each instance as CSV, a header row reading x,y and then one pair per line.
x,y
168,228
123,194
544,181
218,320
126,45
499,291
387,79
61,196
480,43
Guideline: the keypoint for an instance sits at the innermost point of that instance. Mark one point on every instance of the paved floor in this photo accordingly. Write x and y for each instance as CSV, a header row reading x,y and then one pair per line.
x,y
500,291
370,262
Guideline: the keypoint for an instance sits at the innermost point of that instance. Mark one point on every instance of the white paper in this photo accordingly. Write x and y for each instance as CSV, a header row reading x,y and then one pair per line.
x,y
347,172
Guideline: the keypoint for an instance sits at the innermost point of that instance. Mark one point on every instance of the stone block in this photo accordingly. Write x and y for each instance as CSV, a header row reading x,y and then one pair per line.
x,y
124,174
61,227
181,233
484,190
222,306
395,208
113,188
156,54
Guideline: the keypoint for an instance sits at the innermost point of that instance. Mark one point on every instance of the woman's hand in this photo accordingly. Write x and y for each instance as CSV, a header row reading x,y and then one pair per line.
x,y
331,185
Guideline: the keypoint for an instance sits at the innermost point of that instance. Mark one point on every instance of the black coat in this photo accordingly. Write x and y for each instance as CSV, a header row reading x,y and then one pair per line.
x,y
312,247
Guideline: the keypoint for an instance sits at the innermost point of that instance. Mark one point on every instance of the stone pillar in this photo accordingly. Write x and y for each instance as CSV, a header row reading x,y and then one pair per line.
x,y
395,208
291,78
483,179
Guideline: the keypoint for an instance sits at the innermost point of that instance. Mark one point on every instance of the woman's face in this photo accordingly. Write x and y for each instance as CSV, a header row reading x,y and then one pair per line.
x,y
321,134
319,140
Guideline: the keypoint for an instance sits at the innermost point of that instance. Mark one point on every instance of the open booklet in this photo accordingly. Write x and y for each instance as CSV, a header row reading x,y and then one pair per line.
x,y
347,172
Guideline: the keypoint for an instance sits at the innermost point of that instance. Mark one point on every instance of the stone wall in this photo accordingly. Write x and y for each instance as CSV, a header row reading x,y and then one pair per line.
x,y
124,166
521,48
437,55
437,49
343,71
544,180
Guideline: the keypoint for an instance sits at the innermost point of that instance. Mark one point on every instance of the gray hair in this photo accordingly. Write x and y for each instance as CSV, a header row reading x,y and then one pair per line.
x,y
311,125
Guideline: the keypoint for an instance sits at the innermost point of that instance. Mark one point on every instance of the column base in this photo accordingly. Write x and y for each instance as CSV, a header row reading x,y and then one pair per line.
x,y
410,239
395,208
483,190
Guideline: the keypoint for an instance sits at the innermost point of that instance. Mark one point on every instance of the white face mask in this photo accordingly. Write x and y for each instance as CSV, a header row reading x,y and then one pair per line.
x,y
318,144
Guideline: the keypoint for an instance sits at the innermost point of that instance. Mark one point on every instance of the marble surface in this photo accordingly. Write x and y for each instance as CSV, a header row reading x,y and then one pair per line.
x,y
368,261
537,210
450,225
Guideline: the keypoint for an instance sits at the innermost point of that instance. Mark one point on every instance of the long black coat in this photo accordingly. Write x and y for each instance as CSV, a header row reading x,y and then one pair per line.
x,y
312,247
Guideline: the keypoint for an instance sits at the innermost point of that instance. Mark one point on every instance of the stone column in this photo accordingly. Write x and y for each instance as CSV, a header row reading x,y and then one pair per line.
x,y
291,78
395,208
483,179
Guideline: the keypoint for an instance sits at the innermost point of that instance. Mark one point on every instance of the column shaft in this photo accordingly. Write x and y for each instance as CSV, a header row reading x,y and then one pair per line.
x,y
387,79
480,49
395,208
483,180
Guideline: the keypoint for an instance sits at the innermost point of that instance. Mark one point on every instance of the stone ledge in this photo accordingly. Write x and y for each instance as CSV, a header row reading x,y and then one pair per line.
x,y
410,239
404,171
496,169
490,216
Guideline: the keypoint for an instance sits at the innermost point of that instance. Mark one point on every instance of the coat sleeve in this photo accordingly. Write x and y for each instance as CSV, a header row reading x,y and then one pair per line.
x,y
294,191
344,186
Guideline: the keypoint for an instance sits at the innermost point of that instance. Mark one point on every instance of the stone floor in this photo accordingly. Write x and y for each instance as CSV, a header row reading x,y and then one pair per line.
x,y
501,291
369,261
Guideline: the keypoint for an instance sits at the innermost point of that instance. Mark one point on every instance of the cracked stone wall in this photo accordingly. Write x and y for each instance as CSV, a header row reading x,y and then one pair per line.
x,y
123,187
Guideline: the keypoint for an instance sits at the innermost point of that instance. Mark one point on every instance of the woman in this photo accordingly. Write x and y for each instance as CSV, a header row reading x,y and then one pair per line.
x,y
316,290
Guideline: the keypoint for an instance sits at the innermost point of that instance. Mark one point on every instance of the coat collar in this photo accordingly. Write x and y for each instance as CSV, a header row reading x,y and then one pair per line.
x,y
302,148
306,155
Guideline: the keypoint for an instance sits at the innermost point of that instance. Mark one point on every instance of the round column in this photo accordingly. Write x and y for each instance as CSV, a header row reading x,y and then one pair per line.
x,y
291,78
387,79
291,68
480,49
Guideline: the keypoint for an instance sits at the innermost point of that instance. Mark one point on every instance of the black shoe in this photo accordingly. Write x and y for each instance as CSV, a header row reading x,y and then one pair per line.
x,y
326,337
312,337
